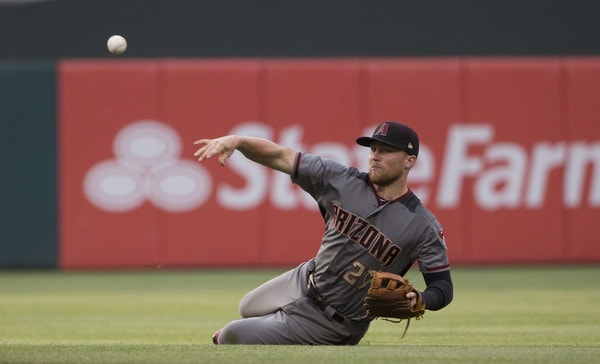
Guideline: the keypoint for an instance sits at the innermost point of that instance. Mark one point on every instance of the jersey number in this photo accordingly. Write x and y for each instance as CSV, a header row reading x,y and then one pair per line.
x,y
357,277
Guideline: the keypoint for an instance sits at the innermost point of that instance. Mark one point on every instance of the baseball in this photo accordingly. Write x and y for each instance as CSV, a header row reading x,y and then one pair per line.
x,y
116,44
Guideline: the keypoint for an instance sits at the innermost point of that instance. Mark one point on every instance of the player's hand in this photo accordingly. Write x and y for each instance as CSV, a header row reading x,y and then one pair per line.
x,y
412,296
223,147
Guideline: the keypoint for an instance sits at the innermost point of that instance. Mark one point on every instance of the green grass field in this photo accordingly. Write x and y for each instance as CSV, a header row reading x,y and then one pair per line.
x,y
499,315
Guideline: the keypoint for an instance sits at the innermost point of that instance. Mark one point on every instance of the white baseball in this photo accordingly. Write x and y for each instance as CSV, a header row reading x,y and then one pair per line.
x,y
116,44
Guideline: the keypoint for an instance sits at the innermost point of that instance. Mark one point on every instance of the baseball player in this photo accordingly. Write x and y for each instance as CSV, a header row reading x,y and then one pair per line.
x,y
373,222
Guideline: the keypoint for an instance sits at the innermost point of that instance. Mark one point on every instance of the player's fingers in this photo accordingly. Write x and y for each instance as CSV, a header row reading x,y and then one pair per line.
x,y
201,154
412,296
206,152
211,148
200,150
224,154
222,158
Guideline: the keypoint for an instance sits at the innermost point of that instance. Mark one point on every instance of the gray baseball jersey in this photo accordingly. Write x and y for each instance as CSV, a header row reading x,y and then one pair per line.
x,y
365,233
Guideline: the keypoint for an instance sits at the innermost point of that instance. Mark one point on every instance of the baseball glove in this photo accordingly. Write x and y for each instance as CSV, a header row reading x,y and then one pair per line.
x,y
387,299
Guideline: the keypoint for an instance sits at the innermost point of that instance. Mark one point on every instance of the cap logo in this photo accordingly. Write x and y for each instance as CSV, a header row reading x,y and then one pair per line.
x,y
410,146
381,130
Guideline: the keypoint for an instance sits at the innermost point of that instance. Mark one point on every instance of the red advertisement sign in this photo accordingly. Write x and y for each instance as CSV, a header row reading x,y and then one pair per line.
x,y
509,161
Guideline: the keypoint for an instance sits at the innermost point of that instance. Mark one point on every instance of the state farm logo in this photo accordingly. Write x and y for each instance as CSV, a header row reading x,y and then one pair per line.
x,y
147,167
503,175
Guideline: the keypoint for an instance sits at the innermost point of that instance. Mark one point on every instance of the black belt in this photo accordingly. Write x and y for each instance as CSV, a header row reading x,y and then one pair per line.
x,y
317,299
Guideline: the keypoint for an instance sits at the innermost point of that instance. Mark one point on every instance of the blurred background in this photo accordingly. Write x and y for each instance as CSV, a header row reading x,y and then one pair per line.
x,y
96,152
55,29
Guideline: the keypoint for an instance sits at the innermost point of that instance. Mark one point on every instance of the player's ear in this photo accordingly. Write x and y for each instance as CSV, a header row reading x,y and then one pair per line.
x,y
410,161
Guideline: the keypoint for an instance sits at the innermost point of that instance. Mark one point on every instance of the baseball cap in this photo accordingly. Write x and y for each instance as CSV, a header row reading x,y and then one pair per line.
x,y
395,134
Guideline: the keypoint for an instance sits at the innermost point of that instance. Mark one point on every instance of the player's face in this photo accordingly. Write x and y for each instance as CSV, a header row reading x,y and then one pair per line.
x,y
388,164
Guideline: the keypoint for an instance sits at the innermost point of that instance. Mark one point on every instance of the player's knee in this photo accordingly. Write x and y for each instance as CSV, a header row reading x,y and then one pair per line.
x,y
245,307
254,305
227,336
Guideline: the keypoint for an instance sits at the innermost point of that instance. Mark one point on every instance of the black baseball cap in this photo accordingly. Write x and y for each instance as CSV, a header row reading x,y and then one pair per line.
x,y
395,134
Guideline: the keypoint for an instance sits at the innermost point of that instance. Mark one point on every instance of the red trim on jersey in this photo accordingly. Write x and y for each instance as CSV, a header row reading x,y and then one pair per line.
x,y
440,268
404,195
297,164
381,199
377,197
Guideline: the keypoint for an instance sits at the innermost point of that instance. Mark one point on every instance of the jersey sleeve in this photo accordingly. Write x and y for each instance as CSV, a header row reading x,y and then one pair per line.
x,y
432,254
311,172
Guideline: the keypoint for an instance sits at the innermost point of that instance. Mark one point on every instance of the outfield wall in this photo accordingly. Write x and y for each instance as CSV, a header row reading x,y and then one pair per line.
x,y
509,162
98,168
